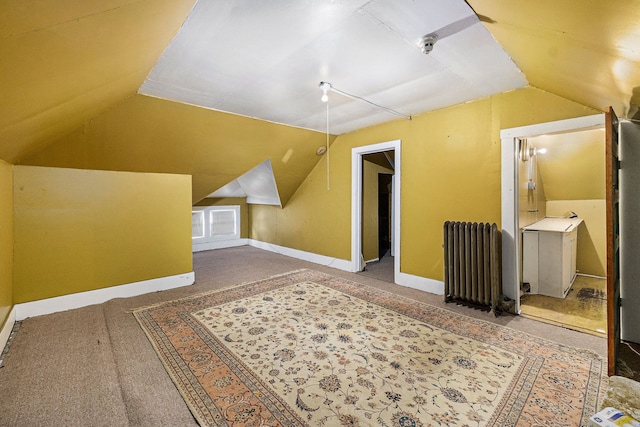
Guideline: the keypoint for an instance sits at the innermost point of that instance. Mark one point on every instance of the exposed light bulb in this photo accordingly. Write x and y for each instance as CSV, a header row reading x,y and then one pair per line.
x,y
541,150
325,91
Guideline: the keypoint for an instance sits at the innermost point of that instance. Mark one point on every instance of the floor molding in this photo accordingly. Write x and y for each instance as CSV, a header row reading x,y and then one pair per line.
x,y
5,332
98,296
338,263
403,279
421,283
221,244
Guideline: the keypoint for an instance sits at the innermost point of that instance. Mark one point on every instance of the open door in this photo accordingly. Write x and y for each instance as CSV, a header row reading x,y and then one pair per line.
x,y
613,238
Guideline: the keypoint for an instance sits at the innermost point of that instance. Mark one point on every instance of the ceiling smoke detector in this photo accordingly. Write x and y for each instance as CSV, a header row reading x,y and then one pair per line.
x,y
426,43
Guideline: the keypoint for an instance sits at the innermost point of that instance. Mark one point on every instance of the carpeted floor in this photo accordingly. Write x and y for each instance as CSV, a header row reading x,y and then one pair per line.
x,y
381,269
95,367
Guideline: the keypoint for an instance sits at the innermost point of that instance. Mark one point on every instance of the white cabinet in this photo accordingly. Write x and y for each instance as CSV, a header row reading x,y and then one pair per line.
x,y
549,249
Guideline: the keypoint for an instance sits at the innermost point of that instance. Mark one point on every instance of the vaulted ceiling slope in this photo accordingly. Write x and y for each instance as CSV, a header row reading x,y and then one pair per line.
x,y
585,51
64,62
144,134
67,63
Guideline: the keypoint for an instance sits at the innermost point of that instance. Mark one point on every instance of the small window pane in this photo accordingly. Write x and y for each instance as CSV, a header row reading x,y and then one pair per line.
x,y
197,224
223,222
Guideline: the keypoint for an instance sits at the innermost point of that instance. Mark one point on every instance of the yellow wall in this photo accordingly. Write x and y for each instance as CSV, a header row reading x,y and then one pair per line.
x,y
80,230
144,134
450,171
370,173
591,257
231,201
6,241
573,171
573,168
317,217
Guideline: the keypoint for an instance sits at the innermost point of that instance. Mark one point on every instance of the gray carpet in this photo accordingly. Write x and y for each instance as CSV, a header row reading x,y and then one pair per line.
x,y
381,269
94,366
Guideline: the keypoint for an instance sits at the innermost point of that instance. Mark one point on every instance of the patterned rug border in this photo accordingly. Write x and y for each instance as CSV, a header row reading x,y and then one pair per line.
x,y
363,292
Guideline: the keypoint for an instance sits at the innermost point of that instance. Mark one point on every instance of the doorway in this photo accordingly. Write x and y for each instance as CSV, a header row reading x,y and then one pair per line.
x,y
512,140
562,181
511,234
368,163
385,197
377,209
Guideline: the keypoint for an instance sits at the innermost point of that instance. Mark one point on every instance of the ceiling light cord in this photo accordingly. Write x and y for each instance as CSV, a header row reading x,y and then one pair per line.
x,y
326,86
328,182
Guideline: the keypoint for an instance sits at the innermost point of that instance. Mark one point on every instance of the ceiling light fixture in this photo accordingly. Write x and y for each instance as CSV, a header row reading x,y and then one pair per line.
x,y
325,91
326,87
427,42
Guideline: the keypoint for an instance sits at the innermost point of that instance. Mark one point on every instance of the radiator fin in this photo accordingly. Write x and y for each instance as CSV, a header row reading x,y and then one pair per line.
x,y
472,273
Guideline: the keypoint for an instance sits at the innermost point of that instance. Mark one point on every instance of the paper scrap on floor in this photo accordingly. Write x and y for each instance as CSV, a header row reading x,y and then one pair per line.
x,y
612,417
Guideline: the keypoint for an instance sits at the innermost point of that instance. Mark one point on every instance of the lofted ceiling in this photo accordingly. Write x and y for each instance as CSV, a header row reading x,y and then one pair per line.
x,y
266,60
67,62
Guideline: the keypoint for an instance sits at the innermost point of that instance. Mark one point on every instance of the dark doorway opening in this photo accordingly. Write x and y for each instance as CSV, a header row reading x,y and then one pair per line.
x,y
384,214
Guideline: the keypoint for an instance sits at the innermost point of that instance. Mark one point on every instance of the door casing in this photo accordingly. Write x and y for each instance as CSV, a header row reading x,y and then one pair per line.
x,y
356,202
511,138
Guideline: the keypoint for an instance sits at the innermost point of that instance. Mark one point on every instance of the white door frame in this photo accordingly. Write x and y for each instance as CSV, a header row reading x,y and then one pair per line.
x,y
511,192
356,203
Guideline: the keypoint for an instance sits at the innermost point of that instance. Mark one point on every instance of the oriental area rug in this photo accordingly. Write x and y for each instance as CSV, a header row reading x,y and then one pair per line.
x,y
310,349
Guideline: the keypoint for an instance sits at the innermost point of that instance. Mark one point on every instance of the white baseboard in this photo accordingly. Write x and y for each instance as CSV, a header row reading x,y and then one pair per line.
x,y
340,264
98,296
221,244
5,332
591,275
403,279
420,283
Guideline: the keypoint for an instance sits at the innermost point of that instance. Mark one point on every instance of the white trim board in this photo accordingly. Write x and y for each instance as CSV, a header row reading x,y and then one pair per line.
x,y
560,126
221,244
403,279
98,296
356,202
5,332
420,283
327,261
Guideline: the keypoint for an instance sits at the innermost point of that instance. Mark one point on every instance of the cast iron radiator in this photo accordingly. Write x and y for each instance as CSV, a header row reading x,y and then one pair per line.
x,y
472,274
